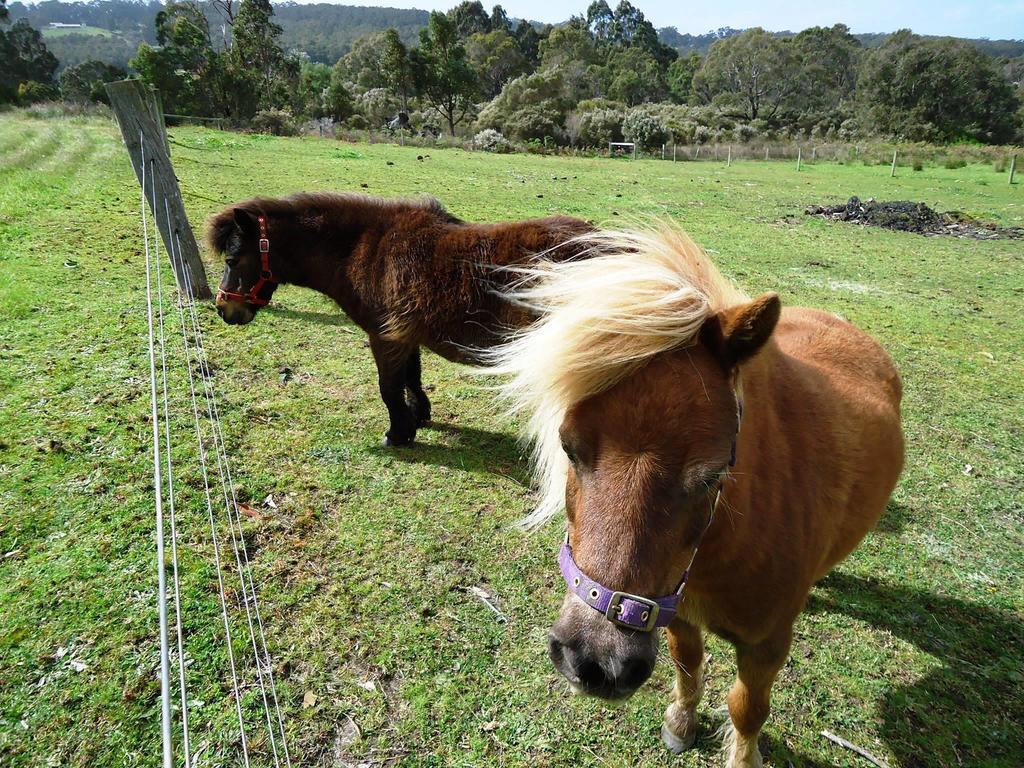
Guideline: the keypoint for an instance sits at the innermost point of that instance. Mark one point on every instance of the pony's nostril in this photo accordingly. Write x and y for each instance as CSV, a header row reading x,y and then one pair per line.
x,y
635,672
590,674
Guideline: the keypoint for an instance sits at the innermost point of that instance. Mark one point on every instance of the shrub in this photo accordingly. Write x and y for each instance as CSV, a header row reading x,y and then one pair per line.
x,y
597,127
378,105
918,165
644,128
952,163
490,140
277,122
532,123
745,133
357,123
702,134
33,91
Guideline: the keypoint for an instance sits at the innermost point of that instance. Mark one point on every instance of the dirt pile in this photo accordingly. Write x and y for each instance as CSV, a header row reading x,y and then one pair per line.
x,y
906,216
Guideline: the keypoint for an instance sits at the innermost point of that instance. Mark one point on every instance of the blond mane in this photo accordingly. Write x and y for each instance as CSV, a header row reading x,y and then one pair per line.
x,y
631,296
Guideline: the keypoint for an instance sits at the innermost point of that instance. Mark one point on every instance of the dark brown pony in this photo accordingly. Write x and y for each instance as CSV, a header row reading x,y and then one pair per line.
x,y
633,381
406,271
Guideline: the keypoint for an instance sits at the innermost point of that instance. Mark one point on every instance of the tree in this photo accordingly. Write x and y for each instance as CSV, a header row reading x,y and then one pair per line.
x,y
529,41
601,21
338,100
936,90
529,107
25,60
680,77
397,67
256,51
829,58
496,59
83,83
446,80
636,77
499,19
365,62
470,18
750,76
184,67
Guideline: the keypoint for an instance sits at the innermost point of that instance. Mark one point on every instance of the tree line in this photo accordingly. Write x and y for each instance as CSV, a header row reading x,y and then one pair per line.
x,y
604,75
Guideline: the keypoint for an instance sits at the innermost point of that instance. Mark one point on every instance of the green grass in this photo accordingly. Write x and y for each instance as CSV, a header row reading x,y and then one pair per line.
x,y
912,649
86,30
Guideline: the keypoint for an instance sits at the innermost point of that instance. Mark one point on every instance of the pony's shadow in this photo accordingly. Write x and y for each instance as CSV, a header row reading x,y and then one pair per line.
x,y
468,449
967,710
307,316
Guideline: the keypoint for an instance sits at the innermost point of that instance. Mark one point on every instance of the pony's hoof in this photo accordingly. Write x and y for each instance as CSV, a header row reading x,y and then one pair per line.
x,y
675,744
396,442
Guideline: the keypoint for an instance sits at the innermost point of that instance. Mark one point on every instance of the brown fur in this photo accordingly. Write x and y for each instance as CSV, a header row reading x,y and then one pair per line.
x,y
819,452
406,271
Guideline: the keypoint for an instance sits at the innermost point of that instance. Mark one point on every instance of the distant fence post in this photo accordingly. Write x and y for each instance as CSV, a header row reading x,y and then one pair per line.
x,y
766,153
1013,167
140,118
799,158
892,173
728,160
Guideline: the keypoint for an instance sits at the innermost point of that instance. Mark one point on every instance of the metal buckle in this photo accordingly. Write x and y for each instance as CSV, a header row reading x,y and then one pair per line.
x,y
615,606
264,245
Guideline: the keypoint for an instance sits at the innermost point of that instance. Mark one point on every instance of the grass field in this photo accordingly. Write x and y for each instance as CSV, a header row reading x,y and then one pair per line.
x,y
50,32
913,648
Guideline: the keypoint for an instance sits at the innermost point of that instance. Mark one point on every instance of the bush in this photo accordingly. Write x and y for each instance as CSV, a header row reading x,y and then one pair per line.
x,y
533,123
32,91
490,140
277,122
918,165
952,163
600,126
644,128
357,123
378,105
745,133
702,134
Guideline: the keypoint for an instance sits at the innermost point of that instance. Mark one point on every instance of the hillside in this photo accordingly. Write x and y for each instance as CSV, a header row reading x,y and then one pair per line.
x,y
323,31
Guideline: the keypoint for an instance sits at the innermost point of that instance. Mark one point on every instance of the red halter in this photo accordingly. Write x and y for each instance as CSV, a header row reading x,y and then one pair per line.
x,y
252,296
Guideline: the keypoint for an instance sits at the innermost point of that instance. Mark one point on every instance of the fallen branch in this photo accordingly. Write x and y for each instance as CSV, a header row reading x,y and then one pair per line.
x,y
854,748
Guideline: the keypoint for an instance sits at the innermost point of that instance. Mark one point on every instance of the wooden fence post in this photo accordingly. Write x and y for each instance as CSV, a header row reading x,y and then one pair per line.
x,y
892,173
799,157
1013,167
140,118
728,160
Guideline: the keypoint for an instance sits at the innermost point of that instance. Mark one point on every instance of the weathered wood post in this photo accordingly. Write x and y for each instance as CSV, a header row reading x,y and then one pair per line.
x,y
799,157
140,118
673,151
766,153
1013,167
728,160
892,173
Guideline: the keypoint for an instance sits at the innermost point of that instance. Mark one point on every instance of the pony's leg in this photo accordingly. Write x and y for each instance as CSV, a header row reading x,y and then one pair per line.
x,y
415,397
757,666
391,366
686,647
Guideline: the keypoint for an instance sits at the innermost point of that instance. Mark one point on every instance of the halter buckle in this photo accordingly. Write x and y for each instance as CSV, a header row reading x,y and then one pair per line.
x,y
615,608
264,245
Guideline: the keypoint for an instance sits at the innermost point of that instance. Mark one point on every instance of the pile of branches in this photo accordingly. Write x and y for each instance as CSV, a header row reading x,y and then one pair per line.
x,y
907,216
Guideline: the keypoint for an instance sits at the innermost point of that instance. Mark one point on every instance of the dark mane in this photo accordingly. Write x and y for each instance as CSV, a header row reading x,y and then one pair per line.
x,y
221,225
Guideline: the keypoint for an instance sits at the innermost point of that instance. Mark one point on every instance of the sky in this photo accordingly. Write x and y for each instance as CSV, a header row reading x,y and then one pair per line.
x,y
994,19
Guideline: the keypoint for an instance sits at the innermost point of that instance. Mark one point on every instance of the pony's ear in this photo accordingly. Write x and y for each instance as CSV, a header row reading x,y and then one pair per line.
x,y
226,223
245,218
737,333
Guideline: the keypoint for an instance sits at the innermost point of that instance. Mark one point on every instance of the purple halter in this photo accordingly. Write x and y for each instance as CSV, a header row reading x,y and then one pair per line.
x,y
624,609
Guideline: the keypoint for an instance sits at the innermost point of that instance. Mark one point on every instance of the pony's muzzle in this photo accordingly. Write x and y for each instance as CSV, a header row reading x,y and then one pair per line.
x,y
234,313
598,658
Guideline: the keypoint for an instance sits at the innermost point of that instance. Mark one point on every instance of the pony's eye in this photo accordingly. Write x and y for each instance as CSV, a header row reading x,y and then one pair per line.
x,y
569,452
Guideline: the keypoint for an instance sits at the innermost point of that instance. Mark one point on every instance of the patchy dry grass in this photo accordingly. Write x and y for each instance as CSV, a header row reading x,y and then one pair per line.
x,y
913,648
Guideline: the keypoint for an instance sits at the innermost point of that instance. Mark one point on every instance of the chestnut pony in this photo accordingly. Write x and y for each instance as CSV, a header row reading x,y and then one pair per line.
x,y
406,271
668,410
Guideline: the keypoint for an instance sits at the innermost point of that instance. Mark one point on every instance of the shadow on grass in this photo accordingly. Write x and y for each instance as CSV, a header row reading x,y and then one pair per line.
x,y
969,710
469,449
895,518
323,318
